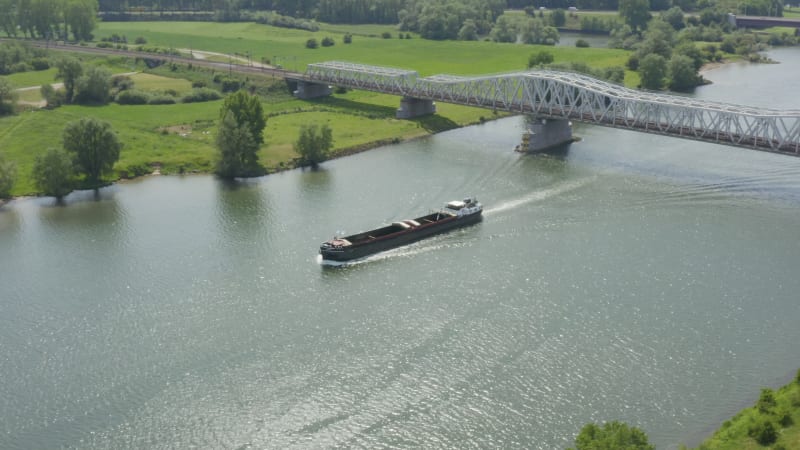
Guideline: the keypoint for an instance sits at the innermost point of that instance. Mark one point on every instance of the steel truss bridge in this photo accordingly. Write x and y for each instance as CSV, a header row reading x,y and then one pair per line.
x,y
576,97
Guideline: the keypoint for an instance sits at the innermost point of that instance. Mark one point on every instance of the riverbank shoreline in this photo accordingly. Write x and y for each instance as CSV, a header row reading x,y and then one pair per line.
x,y
284,166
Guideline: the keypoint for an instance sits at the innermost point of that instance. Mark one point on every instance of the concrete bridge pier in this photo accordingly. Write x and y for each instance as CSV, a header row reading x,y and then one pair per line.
x,y
543,134
411,107
306,90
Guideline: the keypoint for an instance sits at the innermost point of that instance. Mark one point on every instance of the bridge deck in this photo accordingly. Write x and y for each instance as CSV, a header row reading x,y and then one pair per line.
x,y
581,98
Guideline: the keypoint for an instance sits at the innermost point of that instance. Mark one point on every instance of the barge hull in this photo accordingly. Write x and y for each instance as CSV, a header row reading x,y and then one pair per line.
x,y
369,248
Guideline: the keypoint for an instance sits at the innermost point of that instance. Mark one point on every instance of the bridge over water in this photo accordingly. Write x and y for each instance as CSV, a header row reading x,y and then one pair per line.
x,y
763,22
559,97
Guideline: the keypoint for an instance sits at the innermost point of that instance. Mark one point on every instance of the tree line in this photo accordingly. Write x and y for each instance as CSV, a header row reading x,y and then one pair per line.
x,y
398,11
48,19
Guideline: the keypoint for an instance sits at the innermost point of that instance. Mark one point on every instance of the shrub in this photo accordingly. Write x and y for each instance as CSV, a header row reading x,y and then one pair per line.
x,y
40,64
541,58
8,175
135,170
348,38
162,100
199,84
766,402
20,67
140,40
763,432
327,41
633,62
785,417
104,45
201,95
53,97
581,43
386,35
794,399
133,97
231,85
122,83
312,43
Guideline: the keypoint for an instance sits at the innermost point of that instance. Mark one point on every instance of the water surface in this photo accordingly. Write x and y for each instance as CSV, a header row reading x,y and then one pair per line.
x,y
629,277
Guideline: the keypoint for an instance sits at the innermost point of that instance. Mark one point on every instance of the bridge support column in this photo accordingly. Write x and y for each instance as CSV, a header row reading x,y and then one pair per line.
x,y
306,90
414,107
546,133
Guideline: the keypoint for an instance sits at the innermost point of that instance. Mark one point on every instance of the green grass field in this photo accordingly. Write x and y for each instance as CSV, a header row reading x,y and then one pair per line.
x,y
152,83
34,78
287,47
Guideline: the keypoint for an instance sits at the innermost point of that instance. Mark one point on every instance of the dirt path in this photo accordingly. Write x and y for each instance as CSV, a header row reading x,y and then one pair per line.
x,y
43,103
202,54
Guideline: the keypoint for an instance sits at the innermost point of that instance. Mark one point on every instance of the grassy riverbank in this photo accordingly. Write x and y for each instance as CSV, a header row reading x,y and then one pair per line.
x,y
180,137
776,410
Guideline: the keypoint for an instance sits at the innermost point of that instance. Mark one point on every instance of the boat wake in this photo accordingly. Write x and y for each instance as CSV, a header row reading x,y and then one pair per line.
x,y
540,195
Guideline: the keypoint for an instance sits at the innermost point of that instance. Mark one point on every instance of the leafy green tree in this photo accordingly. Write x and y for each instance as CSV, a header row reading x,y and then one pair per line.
x,y
534,31
504,30
69,70
8,174
674,17
540,59
653,70
689,49
8,17
94,86
314,143
25,18
614,74
238,150
635,13
53,97
623,36
247,111
682,74
8,99
558,17
468,31
95,146
612,436
54,173
658,39
45,16
79,16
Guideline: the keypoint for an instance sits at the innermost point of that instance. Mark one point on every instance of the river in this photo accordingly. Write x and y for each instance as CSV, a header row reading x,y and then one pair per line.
x,y
631,277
